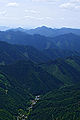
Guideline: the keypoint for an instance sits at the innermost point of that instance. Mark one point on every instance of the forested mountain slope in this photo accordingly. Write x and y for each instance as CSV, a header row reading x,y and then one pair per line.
x,y
21,38
12,53
13,97
31,76
62,104
66,70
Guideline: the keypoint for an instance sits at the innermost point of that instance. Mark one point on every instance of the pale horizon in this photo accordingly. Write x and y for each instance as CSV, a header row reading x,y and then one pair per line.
x,y
28,28
34,13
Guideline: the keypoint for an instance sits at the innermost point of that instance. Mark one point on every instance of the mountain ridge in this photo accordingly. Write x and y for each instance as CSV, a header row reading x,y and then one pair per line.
x,y
50,32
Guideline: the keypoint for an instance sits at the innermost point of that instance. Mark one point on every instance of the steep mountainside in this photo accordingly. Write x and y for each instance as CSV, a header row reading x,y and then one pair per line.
x,y
21,38
31,77
53,54
62,104
67,70
12,53
27,71
19,83
68,41
12,97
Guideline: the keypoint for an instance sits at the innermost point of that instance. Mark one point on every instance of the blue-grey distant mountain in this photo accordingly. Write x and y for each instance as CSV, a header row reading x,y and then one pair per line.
x,y
53,54
18,29
67,41
21,38
45,31
52,32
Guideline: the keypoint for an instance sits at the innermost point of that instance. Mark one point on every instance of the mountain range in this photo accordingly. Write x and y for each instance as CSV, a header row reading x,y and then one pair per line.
x,y
63,103
18,37
19,83
67,41
10,53
40,64
49,32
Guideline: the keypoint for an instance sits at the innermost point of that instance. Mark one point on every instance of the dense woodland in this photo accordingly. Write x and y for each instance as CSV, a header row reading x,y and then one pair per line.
x,y
32,64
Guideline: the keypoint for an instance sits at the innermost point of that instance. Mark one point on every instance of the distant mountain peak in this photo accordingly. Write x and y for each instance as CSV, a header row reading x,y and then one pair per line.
x,y
43,27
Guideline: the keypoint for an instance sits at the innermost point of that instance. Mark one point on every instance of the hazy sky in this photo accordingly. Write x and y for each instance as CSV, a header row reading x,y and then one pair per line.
x,y
33,13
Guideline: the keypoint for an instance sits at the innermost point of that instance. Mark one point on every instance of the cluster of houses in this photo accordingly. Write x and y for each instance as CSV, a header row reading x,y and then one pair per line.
x,y
33,102
22,117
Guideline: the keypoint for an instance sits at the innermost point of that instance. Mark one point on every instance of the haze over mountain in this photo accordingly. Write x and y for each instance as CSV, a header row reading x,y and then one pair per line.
x,y
44,31
49,32
52,32
21,38
4,28
68,41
